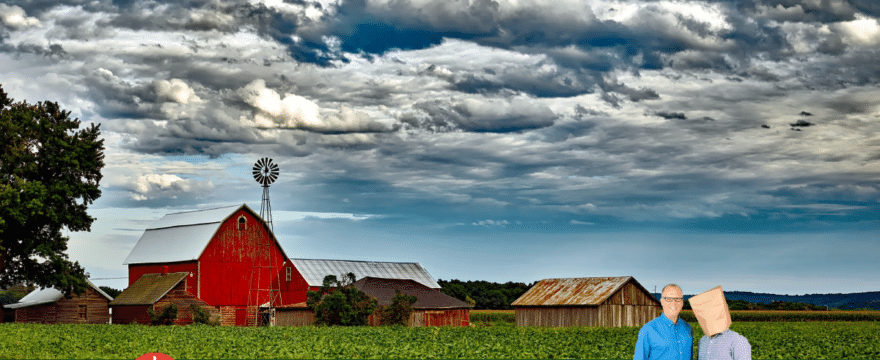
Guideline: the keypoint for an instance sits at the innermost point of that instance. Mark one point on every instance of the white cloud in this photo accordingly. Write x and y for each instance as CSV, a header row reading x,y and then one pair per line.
x,y
862,31
150,186
16,18
297,112
577,222
490,222
175,90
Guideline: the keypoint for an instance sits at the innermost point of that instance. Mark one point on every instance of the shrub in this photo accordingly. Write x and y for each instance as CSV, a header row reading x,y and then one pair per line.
x,y
202,316
398,312
166,317
339,304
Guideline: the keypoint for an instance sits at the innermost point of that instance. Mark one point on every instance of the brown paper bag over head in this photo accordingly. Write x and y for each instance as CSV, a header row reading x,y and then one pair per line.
x,y
711,311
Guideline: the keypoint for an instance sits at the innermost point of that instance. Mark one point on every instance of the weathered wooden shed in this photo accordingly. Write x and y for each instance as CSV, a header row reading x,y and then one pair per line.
x,y
157,291
432,308
50,306
592,301
294,315
236,263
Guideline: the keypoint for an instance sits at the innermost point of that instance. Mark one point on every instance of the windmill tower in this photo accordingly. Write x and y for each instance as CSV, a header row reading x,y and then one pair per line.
x,y
265,173
262,290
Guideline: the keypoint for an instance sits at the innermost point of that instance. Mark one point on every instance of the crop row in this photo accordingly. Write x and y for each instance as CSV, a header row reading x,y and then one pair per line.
x,y
792,316
806,340
479,316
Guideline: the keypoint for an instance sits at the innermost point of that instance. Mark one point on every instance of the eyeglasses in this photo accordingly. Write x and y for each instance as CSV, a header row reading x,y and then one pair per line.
x,y
672,299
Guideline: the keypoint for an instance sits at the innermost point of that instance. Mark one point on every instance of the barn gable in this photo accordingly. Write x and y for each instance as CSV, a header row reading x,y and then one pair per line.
x,y
314,271
183,236
596,301
590,291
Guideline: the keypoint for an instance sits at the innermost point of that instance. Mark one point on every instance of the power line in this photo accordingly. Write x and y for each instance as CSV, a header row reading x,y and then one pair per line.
x,y
109,278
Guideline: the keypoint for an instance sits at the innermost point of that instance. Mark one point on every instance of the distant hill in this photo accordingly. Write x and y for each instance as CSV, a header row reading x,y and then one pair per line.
x,y
869,300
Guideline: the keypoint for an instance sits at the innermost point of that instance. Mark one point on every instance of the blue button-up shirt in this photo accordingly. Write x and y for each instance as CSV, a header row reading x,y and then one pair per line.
x,y
727,345
661,339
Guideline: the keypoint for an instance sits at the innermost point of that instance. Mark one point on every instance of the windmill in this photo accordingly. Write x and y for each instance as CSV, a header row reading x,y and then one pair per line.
x,y
265,173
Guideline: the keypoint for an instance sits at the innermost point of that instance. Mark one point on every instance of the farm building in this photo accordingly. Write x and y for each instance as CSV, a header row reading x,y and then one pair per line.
x,y
432,308
593,301
232,259
294,315
157,291
235,264
50,306
314,271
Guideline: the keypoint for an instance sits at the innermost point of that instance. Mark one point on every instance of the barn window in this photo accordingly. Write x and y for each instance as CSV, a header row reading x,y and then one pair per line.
x,y
84,312
289,274
242,223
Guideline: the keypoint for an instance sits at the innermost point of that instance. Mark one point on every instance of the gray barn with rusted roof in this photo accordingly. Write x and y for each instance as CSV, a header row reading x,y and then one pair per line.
x,y
592,301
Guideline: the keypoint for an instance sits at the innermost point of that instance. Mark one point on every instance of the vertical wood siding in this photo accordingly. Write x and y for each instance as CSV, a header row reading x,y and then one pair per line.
x,y
444,317
227,266
628,306
294,317
67,311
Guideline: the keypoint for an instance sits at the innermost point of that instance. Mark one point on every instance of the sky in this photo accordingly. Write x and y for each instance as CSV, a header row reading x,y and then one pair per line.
x,y
701,143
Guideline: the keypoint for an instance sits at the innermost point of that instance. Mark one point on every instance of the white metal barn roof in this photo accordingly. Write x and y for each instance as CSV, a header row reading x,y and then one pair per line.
x,y
314,270
180,236
46,296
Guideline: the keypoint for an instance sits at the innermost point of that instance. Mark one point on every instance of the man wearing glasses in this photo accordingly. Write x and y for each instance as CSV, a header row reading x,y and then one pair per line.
x,y
667,337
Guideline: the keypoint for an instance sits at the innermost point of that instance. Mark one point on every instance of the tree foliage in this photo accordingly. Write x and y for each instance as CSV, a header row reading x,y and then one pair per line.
x,y
337,303
399,311
484,294
166,317
49,173
110,291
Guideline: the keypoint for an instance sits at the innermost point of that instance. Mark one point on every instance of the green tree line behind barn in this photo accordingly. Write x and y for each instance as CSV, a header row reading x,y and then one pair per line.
x,y
485,295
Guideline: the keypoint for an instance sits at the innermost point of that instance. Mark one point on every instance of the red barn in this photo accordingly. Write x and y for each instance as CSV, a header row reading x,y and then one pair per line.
x,y
233,261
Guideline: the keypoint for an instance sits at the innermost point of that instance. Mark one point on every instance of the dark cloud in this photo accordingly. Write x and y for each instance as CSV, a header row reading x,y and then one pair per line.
x,y
671,115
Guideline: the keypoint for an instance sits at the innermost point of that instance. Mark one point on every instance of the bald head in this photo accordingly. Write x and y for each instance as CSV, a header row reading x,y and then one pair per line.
x,y
672,302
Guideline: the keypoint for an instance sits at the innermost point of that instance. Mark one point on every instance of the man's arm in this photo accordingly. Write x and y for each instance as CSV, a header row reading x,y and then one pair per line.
x,y
643,350
741,350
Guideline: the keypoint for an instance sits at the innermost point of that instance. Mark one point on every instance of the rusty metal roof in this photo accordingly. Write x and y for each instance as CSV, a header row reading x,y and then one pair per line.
x,y
148,289
314,271
571,291
48,295
383,290
182,236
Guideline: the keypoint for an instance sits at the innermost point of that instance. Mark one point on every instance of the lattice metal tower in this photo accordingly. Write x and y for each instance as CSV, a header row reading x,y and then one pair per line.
x,y
265,172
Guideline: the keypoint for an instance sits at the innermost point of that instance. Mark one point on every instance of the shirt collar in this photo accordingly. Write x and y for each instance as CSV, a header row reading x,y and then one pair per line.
x,y
666,320
720,334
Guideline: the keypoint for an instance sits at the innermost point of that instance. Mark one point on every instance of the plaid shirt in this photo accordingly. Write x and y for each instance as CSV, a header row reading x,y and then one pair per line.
x,y
726,345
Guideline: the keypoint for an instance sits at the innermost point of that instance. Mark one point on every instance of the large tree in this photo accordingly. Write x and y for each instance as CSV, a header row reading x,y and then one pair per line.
x,y
49,173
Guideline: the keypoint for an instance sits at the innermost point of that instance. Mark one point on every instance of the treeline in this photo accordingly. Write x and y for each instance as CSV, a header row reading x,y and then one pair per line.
x,y
775,305
483,294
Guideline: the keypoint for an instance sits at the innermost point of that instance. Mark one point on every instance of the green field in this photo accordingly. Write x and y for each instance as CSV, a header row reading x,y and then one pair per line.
x,y
804,340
